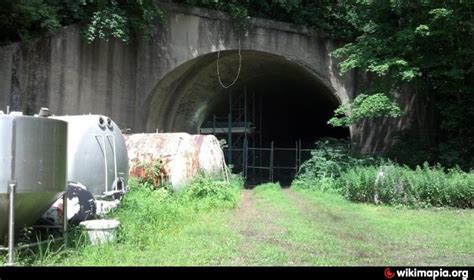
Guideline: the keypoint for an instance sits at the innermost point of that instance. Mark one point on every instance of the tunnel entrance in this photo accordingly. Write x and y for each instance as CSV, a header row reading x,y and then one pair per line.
x,y
269,119
269,124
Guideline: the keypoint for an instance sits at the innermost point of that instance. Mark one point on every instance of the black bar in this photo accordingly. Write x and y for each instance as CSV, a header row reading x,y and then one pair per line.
x,y
284,167
260,149
322,272
258,167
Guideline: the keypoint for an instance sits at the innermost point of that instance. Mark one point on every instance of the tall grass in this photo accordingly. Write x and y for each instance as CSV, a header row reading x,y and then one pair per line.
x,y
424,186
380,181
149,218
160,210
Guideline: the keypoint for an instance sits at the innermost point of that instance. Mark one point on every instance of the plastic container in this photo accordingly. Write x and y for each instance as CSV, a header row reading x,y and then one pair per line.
x,y
101,231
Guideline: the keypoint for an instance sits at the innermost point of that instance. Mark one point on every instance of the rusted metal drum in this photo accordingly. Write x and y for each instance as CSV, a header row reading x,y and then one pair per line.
x,y
174,157
210,155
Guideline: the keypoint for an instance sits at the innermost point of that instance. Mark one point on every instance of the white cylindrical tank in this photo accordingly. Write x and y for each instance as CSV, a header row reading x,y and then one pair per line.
x,y
178,157
97,154
174,153
211,156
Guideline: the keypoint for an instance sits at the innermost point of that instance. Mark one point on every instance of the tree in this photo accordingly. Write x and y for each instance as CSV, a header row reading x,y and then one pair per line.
x,y
102,19
426,45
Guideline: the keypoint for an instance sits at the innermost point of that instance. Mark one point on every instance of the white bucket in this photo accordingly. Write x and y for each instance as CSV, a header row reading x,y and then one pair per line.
x,y
101,231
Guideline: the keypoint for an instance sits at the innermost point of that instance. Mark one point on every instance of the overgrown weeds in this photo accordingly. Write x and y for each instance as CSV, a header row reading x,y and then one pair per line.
x,y
149,218
333,168
160,210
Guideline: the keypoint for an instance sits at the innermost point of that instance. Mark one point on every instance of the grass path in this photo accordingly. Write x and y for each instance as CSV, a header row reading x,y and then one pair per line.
x,y
377,235
274,226
286,227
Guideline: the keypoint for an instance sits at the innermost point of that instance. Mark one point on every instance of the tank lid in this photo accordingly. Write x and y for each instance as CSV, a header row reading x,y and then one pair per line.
x,y
44,112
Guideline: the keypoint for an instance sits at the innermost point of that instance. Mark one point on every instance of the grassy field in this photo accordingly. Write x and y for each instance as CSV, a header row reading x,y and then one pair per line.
x,y
274,226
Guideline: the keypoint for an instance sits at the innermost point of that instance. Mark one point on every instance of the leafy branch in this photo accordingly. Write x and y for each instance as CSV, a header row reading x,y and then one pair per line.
x,y
364,106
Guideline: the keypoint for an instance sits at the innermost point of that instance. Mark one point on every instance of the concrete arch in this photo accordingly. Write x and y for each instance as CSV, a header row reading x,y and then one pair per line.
x,y
188,44
181,99
132,83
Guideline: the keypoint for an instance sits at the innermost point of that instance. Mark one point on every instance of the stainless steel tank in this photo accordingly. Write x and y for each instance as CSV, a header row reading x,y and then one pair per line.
x,y
33,154
97,154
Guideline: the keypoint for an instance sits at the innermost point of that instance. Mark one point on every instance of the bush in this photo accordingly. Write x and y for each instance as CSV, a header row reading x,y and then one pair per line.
x,y
358,184
330,158
146,208
394,185
325,184
211,193
101,19
333,169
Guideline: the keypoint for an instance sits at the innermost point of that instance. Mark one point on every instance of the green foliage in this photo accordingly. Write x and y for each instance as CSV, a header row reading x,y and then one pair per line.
x,y
20,19
147,208
119,19
425,186
238,11
109,22
212,194
341,232
324,184
151,174
363,107
267,188
332,18
102,19
425,45
333,169
329,159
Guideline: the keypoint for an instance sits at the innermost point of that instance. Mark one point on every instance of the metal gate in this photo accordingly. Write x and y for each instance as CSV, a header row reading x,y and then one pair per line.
x,y
260,165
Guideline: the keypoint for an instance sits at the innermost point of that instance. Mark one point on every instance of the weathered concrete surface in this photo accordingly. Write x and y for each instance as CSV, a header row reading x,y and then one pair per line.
x,y
69,76
177,77
418,122
168,83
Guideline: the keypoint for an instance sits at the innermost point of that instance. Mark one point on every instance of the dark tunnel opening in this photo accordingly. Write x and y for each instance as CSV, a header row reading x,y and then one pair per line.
x,y
275,120
294,110
270,118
